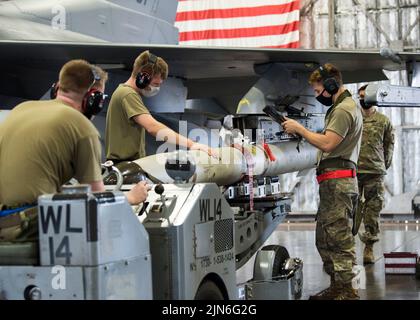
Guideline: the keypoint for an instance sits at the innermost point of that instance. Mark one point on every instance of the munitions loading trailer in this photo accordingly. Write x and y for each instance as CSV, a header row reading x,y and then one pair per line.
x,y
185,242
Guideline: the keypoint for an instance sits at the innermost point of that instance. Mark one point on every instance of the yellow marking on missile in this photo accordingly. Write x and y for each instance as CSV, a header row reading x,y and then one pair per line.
x,y
254,150
241,103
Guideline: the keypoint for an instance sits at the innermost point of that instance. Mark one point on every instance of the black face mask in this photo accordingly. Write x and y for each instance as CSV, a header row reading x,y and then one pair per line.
x,y
326,101
363,104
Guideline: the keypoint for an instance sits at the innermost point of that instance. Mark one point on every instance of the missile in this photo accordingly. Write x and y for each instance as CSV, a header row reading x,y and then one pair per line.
x,y
233,164
229,168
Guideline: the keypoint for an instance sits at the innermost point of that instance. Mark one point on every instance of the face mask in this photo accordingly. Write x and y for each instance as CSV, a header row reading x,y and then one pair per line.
x,y
363,104
150,93
326,101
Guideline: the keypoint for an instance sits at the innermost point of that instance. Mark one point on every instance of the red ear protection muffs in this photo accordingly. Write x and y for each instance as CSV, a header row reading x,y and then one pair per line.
x,y
330,83
144,77
93,101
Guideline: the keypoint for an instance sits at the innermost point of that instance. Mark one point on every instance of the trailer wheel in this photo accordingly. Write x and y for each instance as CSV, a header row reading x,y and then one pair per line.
x,y
208,290
281,255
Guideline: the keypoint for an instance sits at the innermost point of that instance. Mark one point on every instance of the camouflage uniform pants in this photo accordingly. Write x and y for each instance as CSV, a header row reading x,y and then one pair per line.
x,y
334,240
372,186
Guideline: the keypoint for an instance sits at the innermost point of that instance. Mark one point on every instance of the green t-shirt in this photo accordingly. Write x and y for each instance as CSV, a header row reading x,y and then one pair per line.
x,y
345,119
43,144
377,144
124,138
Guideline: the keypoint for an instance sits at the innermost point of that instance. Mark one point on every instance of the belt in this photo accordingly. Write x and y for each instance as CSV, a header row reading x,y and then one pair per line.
x,y
16,218
337,174
336,163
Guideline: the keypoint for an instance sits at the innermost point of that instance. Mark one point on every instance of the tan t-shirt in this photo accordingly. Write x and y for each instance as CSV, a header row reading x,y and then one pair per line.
x,y
345,119
43,144
124,138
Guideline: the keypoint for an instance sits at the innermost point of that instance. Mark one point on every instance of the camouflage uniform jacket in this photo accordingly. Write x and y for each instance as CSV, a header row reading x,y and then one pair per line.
x,y
377,144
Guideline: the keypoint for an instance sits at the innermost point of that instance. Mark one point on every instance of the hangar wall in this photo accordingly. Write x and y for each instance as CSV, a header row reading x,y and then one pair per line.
x,y
369,24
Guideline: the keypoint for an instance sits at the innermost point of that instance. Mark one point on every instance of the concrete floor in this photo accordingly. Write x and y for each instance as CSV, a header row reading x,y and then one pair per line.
x,y
299,239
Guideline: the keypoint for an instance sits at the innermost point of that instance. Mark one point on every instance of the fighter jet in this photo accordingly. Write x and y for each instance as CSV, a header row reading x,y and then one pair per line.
x,y
38,37
204,84
77,21
141,21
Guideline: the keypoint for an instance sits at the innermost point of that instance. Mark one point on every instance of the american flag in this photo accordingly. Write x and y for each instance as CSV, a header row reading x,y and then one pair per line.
x,y
239,23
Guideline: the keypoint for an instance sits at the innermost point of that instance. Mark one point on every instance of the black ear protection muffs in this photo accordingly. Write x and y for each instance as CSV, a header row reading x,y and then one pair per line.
x,y
53,90
330,83
93,101
144,77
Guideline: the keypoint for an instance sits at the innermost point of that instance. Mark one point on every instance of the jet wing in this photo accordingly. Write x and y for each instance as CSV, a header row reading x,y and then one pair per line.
x,y
29,67
13,29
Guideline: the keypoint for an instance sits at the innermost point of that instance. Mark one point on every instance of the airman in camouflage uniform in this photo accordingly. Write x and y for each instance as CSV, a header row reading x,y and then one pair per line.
x,y
339,146
374,159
